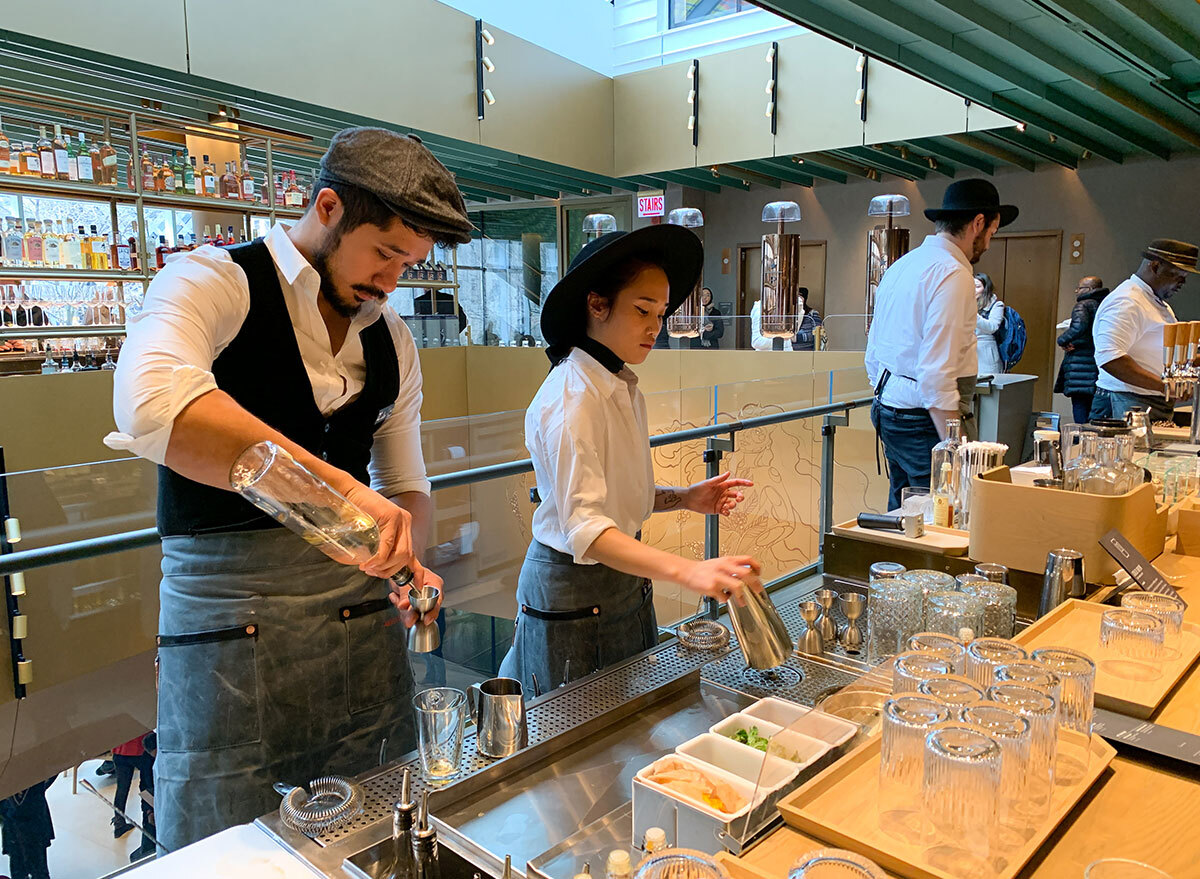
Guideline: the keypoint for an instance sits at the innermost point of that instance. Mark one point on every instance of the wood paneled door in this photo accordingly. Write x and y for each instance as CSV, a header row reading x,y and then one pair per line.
x,y
1024,268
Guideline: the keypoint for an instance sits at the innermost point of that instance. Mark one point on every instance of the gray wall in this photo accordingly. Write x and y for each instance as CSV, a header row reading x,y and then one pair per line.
x,y
1117,207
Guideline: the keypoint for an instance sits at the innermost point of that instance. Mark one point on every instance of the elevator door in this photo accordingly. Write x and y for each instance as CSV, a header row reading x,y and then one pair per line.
x,y
1024,269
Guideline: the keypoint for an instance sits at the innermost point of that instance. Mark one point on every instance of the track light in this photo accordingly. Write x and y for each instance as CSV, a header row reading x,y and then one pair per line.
x,y
771,53
488,65
489,97
692,96
862,62
221,111
691,72
1086,154
1054,138
691,123
859,96
1021,127
487,37
770,86
770,109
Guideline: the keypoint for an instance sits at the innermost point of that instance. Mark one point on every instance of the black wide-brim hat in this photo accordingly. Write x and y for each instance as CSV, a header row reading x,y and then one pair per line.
x,y
975,196
675,248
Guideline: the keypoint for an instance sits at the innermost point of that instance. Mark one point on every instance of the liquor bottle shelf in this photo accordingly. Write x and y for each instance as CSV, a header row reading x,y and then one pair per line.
x,y
17,273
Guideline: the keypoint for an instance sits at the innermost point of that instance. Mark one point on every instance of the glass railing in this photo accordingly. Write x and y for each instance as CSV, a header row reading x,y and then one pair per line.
x,y
92,621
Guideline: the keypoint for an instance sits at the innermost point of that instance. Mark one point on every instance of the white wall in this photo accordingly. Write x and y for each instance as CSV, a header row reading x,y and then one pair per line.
x,y
577,29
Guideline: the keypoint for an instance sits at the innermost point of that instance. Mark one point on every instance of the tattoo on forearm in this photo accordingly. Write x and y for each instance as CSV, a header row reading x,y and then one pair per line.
x,y
667,498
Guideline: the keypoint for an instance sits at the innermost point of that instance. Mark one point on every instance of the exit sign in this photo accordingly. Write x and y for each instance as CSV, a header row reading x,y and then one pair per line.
x,y
650,205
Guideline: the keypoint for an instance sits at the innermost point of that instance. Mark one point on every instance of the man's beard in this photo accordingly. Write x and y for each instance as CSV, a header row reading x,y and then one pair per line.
x,y
320,262
978,247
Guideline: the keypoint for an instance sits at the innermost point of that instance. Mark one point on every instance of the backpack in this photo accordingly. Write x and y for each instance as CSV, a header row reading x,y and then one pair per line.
x,y
1010,338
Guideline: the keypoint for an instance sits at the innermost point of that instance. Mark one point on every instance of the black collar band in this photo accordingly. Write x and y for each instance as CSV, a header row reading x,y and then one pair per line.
x,y
602,353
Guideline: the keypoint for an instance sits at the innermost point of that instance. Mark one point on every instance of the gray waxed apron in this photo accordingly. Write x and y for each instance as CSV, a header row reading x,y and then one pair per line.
x,y
966,406
591,615
275,664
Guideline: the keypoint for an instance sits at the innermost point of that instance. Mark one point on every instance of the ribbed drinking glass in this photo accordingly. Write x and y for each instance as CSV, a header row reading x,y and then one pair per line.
x,y
906,721
1040,709
1132,635
949,647
1031,673
930,581
999,607
954,613
1077,673
959,796
1168,608
913,666
834,863
1013,733
955,691
984,654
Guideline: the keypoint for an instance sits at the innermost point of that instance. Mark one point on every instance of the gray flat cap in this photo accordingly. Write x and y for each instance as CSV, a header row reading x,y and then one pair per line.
x,y
402,172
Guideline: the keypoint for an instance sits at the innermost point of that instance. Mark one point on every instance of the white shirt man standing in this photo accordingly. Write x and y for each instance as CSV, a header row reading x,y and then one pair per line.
x,y
921,355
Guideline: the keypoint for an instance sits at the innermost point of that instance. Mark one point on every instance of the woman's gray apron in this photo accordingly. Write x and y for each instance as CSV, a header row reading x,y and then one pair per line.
x,y
275,664
589,615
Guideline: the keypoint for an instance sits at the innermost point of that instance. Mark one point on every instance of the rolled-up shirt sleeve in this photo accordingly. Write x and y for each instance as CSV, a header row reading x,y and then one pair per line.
x,y
397,461
193,308
948,315
1116,330
573,440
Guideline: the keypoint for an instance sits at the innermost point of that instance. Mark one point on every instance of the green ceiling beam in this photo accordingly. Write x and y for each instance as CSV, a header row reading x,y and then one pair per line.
x,y
786,171
587,177
1039,148
488,183
824,161
660,181
935,146
886,162
970,141
920,159
743,171
807,168
1108,34
812,14
481,195
1105,149
1152,14
523,177
707,183
998,26
706,175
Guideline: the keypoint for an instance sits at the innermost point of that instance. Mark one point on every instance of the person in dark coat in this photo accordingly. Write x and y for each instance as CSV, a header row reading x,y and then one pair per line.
x,y
27,831
713,327
810,321
1077,375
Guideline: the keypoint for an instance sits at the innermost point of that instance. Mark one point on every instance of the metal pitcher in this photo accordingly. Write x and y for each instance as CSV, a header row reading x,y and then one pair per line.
x,y
761,634
498,709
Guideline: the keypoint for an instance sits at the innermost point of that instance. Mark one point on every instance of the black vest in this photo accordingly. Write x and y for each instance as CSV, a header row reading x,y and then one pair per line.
x,y
263,371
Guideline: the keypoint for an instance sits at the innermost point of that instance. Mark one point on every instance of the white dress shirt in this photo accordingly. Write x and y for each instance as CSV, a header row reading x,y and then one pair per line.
x,y
1130,321
758,341
588,435
194,308
924,327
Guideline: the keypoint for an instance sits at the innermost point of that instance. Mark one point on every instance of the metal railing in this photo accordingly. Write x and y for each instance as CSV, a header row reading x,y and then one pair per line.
x,y
719,436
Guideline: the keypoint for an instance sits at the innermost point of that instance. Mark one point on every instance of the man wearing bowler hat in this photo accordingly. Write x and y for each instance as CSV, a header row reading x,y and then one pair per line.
x,y
1129,336
921,356
277,663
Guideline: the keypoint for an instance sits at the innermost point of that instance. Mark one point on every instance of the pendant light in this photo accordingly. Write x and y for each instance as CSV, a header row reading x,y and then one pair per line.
x,y
780,272
685,323
885,245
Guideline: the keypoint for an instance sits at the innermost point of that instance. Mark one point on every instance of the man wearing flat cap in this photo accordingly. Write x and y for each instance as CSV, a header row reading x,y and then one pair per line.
x,y
276,663
921,352
1128,332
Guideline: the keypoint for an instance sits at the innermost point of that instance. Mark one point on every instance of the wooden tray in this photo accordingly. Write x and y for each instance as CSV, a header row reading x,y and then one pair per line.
x,y
841,805
947,541
1119,686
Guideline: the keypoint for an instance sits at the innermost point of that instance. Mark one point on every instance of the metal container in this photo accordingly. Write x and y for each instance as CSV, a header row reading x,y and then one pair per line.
x,y
687,320
761,634
1063,568
498,709
885,243
780,285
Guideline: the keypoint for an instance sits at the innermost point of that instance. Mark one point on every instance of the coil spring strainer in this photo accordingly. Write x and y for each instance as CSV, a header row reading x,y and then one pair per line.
x,y
334,802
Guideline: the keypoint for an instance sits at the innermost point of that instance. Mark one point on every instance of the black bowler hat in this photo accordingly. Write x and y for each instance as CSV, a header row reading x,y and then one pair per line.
x,y
974,196
675,248
1178,253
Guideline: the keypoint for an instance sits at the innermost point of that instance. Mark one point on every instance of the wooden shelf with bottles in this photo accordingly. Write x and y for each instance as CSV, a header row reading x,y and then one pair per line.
x,y
18,273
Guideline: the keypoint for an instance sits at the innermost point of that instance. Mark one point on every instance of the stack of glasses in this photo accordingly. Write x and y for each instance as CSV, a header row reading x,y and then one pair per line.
x,y
975,738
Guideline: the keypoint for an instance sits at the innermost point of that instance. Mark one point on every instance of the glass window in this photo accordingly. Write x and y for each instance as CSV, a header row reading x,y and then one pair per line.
x,y
621,210
693,11
71,212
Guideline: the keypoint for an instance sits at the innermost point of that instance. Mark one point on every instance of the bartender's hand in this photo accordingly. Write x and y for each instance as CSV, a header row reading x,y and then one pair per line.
x,y
717,495
724,578
395,535
399,599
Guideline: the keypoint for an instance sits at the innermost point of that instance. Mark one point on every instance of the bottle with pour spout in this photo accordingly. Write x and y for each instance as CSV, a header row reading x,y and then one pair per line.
x,y
943,479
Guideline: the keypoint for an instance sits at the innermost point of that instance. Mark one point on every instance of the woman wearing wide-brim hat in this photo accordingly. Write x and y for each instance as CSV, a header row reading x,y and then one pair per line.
x,y
584,594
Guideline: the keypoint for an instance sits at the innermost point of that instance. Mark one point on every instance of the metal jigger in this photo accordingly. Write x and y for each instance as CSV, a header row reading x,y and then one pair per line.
x,y
853,604
826,625
424,637
811,641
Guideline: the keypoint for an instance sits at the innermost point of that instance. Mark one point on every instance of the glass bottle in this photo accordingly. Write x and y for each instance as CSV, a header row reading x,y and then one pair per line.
x,y
1103,477
168,175
85,157
148,183
135,244
99,248
1085,457
292,197
160,252
5,153
62,157
14,247
119,254
30,164
278,191
72,254
51,245
1132,474
49,365
33,244
45,154
188,187
208,239
209,179
230,186
247,183
73,159
85,249
108,164
943,485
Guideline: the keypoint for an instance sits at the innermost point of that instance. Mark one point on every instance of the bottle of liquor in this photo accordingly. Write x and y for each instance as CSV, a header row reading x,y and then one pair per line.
x,y
291,196
305,193
229,236
197,176
49,365
107,167
85,159
85,249
160,252
219,241
134,242
13,244
247,183
229,185
73,159
63,233
148,183
167,178
72,252
30,163
278,202
189,176
45,154
210,179
109,363
62,157
51,246
177,164
5,153
943,484
99,250
33,244
119,256
192,241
